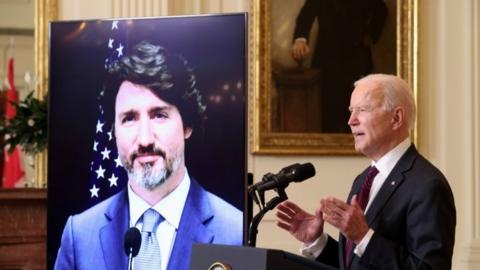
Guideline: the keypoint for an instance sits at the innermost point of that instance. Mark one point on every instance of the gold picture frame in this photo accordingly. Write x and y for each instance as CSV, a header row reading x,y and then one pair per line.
x,y
45,12
264,139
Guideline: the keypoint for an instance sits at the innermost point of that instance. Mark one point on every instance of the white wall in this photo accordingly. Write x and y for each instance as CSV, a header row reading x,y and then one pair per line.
x,y
448,111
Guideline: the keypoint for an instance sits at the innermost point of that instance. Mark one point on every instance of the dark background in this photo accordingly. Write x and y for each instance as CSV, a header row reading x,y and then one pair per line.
x,y
214,45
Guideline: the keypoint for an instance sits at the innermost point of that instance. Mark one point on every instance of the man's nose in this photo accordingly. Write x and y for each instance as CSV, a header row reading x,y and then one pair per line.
x,y
353,120
145,136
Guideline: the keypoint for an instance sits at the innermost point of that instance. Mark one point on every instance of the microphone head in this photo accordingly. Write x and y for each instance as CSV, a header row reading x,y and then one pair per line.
x,y
132,241
303,172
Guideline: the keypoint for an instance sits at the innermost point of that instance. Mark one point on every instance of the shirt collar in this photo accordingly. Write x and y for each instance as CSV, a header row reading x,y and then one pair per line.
x,y
386,163
170,207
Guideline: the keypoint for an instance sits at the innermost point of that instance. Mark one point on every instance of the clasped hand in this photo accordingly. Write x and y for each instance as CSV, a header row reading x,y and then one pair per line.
x,y
300,50
349,219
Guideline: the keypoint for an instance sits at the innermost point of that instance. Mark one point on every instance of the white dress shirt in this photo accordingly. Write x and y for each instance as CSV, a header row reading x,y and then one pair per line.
x,y
385,166
170,207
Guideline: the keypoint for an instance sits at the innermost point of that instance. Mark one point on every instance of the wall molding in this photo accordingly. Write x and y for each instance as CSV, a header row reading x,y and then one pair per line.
x,y
139,8
469,257
476,117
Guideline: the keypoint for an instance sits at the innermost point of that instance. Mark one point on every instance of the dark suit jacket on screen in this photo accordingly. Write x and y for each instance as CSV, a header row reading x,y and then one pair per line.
x,y
94,238
413,216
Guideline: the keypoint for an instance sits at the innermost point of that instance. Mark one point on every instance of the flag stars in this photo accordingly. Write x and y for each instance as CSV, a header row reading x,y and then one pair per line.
x,y
113,180
94,191
95,146
100,172
110,43
115,25
99,127
105,154
119,50
110,135
118,163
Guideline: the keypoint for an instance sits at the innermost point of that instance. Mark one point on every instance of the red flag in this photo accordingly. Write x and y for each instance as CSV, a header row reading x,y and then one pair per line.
x,y
13,172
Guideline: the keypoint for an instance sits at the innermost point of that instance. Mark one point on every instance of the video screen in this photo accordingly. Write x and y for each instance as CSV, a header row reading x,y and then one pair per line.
x,y
146,115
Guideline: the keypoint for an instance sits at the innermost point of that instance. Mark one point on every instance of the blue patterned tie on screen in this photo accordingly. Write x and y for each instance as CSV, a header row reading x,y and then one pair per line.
x,y
149,256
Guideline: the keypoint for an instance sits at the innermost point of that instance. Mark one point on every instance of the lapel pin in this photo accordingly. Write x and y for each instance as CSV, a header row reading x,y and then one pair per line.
x,y
393,183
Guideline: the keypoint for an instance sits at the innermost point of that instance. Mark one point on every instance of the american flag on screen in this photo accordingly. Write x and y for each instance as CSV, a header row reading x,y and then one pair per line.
x,y
107,175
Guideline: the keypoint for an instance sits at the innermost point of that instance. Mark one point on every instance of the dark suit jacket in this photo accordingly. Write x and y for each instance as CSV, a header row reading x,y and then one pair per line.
x,y
94,238
341,52
343,26
413,216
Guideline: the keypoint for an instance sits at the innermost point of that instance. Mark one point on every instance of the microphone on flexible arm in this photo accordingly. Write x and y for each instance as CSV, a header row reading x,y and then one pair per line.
x,y
132,242
293,173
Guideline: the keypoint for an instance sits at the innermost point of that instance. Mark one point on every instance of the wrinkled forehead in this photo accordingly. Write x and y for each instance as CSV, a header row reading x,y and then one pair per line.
x,y
367,94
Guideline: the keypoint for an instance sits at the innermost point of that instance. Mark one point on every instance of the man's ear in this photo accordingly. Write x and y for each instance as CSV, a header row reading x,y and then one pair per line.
x,y
398,119
187,132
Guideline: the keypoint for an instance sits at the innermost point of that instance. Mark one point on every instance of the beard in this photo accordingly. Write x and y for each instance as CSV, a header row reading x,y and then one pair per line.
x,y
147,176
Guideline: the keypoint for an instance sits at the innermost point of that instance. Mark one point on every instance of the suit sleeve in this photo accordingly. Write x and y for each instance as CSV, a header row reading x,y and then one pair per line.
x,y
429,235
305,19
65,257
329,253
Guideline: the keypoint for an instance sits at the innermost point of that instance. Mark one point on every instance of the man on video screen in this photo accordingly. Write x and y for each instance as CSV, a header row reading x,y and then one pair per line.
x,y
154,108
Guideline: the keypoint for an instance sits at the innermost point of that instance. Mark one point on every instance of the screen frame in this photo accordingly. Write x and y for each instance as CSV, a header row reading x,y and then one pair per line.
x,y
54,188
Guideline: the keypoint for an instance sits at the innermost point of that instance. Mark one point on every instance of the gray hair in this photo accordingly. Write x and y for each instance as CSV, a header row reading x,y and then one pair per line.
x,y
396,92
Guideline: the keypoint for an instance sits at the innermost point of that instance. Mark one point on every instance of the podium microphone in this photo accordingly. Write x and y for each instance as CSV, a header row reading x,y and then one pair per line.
x,y
293,173
132,242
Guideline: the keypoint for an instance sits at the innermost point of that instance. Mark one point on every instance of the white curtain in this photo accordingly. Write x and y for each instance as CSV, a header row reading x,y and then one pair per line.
x,y
148,8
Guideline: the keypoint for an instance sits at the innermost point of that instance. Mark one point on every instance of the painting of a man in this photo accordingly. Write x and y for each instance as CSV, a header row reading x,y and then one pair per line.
x,y
346,32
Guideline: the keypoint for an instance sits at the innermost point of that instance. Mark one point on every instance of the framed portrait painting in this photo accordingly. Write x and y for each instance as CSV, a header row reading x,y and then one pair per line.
x,y
301,96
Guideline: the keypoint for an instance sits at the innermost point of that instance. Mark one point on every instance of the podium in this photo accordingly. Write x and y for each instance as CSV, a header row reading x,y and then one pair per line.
x,y
249,258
